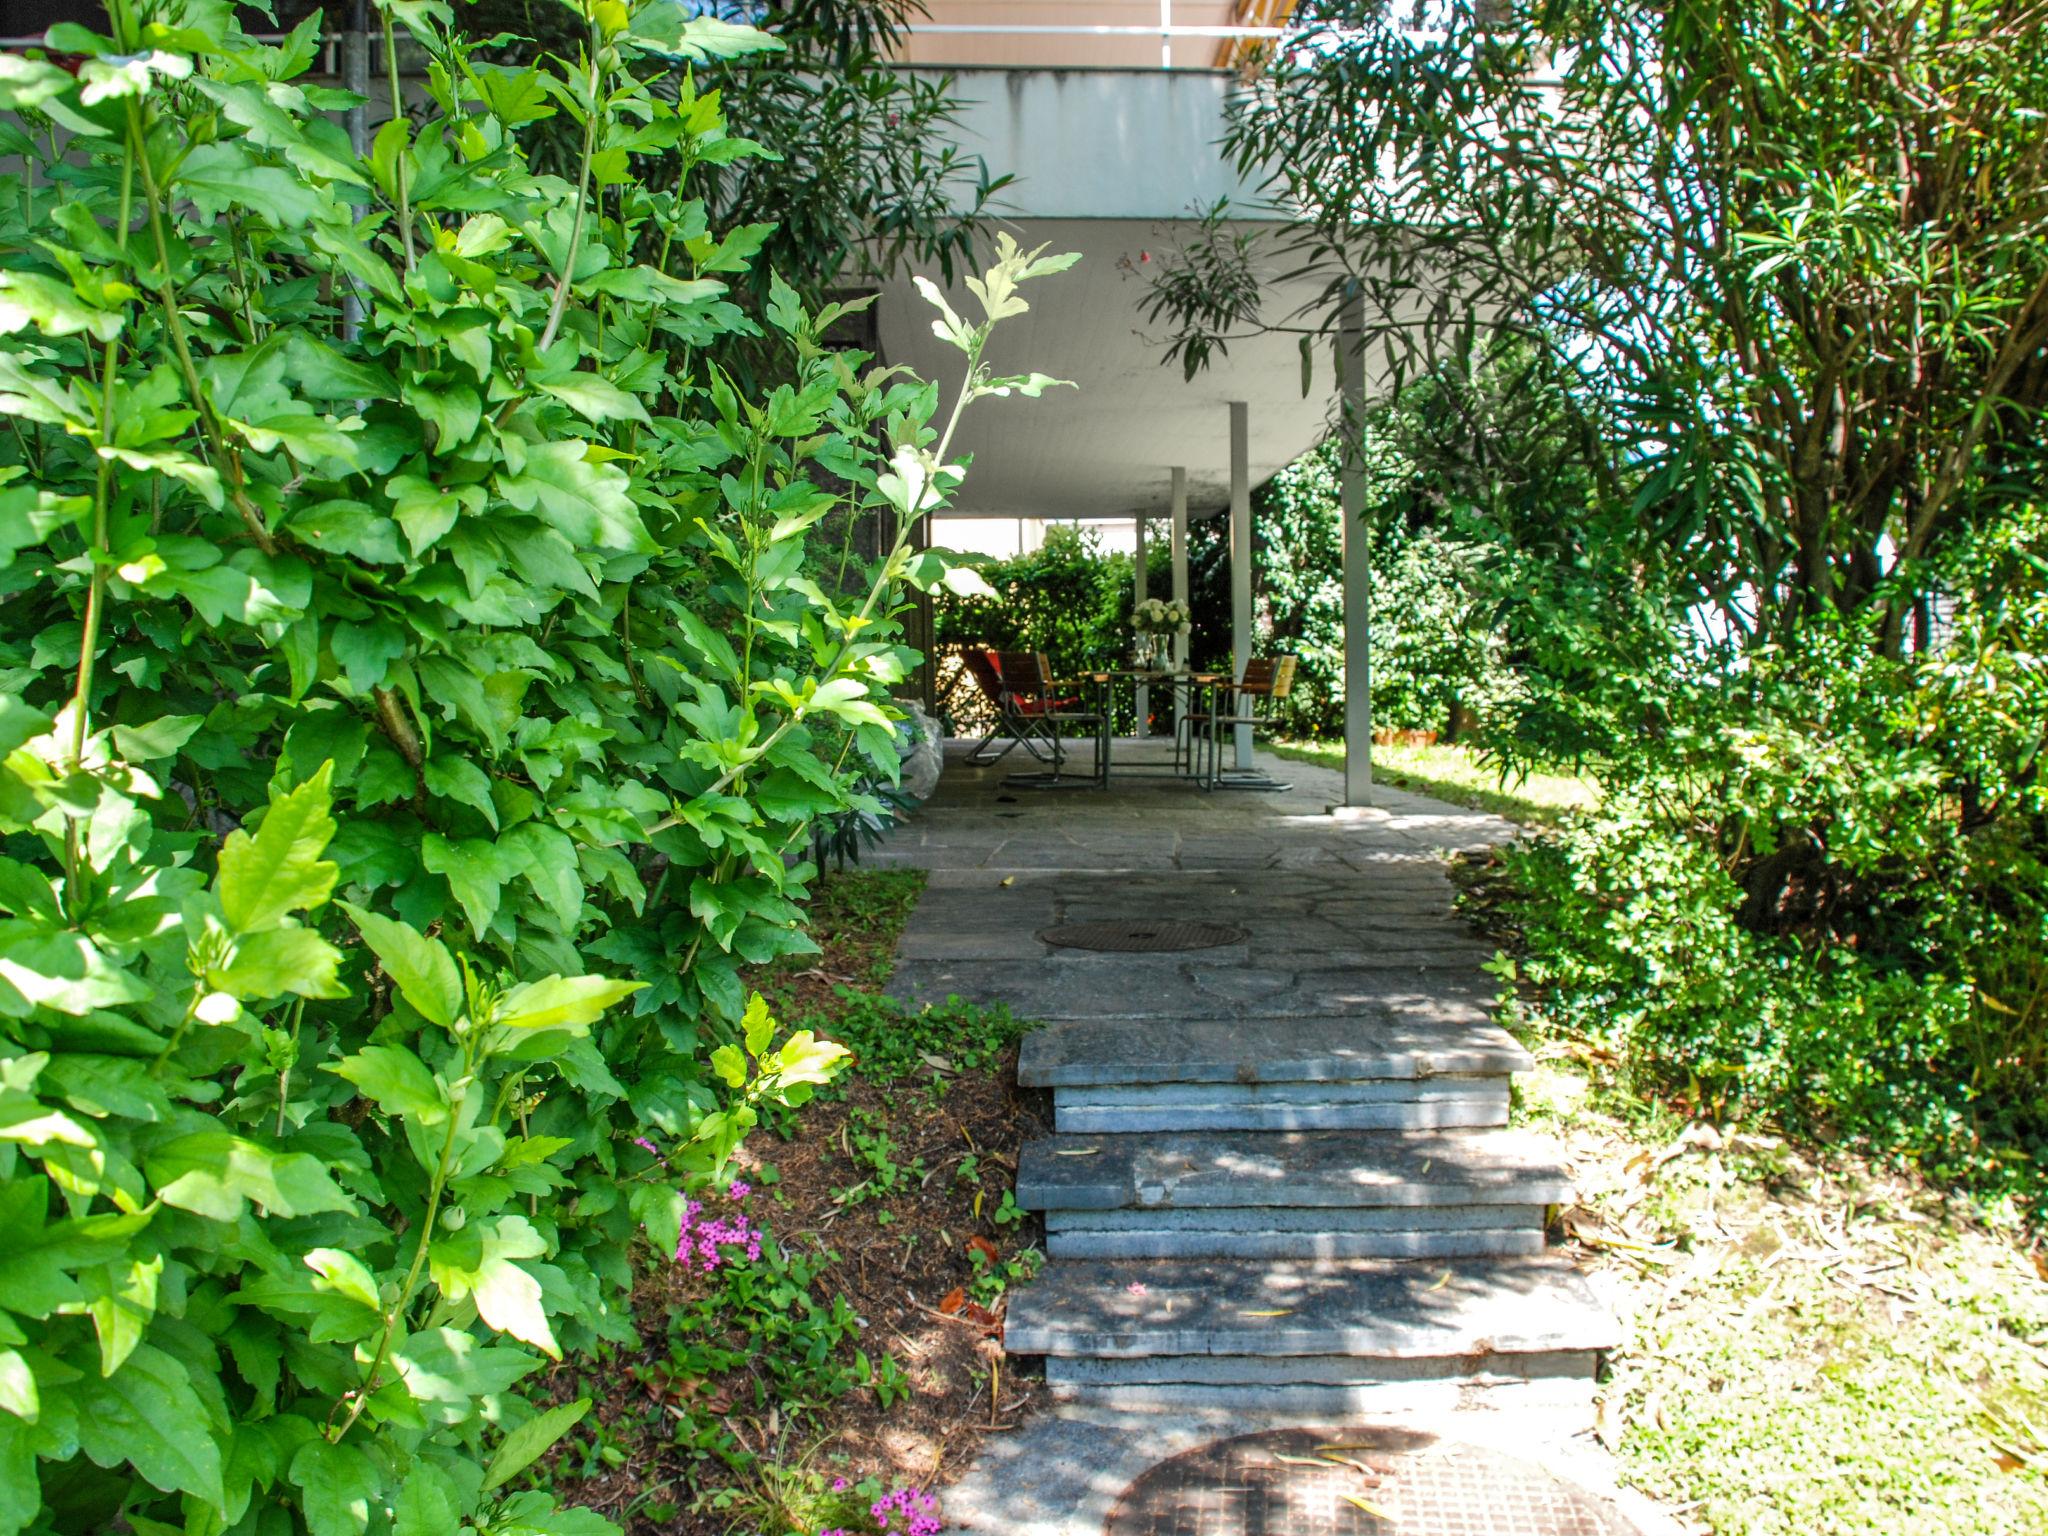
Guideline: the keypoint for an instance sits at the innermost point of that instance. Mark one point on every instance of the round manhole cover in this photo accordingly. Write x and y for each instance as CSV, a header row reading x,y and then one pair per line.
x,y
1141,936
1360,1482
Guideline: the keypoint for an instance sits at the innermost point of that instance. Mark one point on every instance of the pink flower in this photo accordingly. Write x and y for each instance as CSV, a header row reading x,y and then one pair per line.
x,y
1136,1288
738,1190
918,1511
703,1242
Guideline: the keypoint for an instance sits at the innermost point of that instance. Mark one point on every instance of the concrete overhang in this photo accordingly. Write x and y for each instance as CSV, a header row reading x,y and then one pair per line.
x,y
1112,163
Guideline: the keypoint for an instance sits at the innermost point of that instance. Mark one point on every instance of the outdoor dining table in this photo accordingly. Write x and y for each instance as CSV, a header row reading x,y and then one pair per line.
x,y
1199,686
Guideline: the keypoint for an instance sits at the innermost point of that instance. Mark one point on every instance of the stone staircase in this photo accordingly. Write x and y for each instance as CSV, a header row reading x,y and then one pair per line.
x,y
1302,1214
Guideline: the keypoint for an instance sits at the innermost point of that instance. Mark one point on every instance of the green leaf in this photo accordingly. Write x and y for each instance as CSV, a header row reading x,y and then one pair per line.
x,y
366,651
341,1485
220,176
459,779
157,738
344,1274
26,82
421,968
730,1065
477,871
120,1298
279,870
148,1416
18,1394
445,1368
428,1503
277,962
21,1495
586,501
758,1025
531,1440
216,1174
397,1080
595,398
62,970
562,1002
52,307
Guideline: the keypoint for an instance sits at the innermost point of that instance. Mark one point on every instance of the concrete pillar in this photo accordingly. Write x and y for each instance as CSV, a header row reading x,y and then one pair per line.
x,y
1180,585
1241,563
1357,570
1140,574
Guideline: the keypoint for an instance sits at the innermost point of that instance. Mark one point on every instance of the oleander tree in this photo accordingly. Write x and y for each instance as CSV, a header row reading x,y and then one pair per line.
x,y
1759,291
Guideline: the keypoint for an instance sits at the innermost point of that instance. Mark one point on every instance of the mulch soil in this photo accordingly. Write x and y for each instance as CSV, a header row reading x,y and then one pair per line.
x,y
903,1260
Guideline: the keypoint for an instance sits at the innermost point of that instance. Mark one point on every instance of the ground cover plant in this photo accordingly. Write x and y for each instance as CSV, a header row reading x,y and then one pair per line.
x,y
843,1347
414,685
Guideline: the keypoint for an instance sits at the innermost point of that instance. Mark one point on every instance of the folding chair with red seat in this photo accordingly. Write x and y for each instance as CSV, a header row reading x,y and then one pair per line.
x,y
1044,710
1023,729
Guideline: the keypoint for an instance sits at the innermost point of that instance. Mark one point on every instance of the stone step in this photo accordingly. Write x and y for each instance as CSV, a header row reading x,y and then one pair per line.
x,y
1351,1174
1486,1369
1517,1231
1441,1038
1483,1312
1440,1103
1565,1403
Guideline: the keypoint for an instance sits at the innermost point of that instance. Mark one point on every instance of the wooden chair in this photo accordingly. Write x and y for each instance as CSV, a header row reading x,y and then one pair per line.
x,y
1266,681
1045,711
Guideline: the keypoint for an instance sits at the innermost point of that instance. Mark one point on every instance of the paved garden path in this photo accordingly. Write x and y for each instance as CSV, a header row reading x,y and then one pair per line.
x,y
1282,1187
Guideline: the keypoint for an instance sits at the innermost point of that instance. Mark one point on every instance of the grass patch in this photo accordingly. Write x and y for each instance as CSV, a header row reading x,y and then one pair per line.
x,y
1816,1347
1461,776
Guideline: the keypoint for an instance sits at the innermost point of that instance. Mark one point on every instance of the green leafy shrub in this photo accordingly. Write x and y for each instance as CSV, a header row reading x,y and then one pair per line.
x,y
1784,907
378,544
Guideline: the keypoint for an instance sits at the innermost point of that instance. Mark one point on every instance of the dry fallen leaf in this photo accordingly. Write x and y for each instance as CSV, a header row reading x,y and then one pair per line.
x,y
1009,880
953,1301
1076,1151
1368,1506
1274,1312
1607,1424
988,1250
1442,1280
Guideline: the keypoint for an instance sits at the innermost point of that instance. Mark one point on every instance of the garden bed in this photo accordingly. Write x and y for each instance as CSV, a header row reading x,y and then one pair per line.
x,y
864,1344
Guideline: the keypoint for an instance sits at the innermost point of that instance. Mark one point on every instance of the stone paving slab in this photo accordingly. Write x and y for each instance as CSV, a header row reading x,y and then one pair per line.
x,y
1344,1169
1360,1308
1405,1034
1060,1474
1452,992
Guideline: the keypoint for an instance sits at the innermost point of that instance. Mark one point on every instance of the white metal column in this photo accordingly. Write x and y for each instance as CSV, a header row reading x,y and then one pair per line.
x,y
1241,563
1356,566
1140,575
1180,587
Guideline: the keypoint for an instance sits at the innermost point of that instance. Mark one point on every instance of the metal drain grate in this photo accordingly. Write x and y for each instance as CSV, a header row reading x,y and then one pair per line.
x,y
1141,936
1286,1483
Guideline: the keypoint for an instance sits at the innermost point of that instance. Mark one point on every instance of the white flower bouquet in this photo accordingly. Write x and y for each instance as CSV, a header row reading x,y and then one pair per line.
x,y
1161,616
